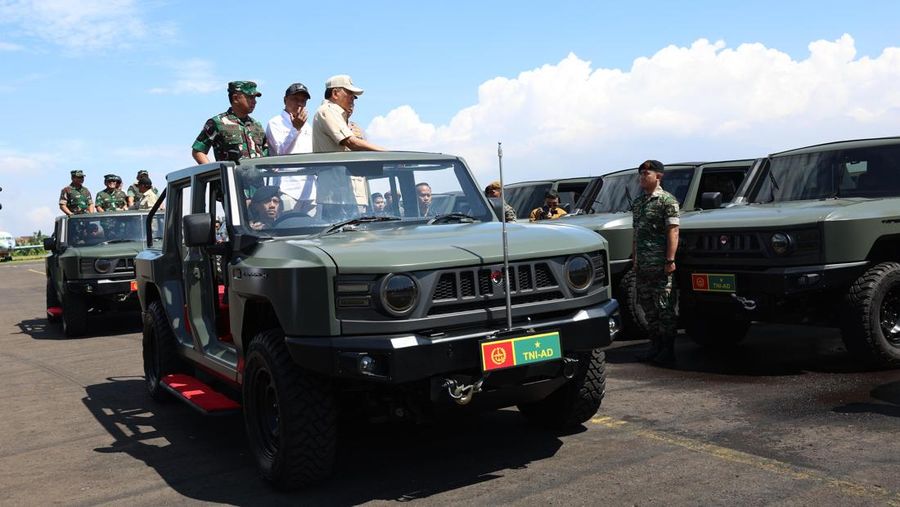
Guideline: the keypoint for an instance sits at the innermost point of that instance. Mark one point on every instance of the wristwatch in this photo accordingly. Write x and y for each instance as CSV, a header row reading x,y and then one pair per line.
x,y
670,261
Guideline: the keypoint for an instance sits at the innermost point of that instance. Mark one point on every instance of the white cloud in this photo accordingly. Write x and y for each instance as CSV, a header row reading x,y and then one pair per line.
x,y
9,46
705,101
192,76
80,25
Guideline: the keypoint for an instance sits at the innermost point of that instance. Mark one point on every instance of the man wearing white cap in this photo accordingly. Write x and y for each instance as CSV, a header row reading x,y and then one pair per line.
x,y
331,127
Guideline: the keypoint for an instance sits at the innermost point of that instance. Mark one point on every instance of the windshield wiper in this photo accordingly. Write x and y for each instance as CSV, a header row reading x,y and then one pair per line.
x,y
110,241
455,216
360,220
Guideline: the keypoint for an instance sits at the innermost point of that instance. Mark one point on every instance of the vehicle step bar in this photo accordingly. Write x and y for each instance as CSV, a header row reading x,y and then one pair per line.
x,y
199,395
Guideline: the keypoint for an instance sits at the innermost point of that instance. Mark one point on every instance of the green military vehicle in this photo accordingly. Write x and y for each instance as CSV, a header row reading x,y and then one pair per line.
x,y
524,196
818,242
605,207
91,265
314,306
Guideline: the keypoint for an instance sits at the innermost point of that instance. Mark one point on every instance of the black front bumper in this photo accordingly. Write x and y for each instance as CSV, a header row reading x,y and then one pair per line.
x,y
770,290
408,357
101,287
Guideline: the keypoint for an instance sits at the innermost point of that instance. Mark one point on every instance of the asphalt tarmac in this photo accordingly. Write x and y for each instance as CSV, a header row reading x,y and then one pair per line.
x,y
787,419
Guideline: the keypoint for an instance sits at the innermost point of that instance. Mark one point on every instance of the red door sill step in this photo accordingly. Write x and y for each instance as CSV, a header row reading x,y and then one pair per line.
x,y
199,395
54,312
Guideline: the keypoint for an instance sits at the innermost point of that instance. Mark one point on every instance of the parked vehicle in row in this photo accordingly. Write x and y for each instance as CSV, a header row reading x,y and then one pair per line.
x,y
525,196
817,242
605,208
7,245
322,308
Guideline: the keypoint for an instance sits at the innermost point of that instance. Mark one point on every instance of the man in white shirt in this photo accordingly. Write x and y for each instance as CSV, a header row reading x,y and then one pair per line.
x,y
331,127
289,132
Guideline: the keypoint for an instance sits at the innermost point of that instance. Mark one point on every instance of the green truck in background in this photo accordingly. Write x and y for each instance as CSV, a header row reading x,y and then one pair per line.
x,y
605,208
818,242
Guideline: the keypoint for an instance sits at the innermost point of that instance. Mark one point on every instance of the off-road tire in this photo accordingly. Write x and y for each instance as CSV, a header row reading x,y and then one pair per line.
x,y
629,311
290,415
52,300
577,400
75,313
717,332
872,304
160,351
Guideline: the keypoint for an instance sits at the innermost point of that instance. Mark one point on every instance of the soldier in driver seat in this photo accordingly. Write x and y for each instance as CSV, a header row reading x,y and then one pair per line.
x,y
265,207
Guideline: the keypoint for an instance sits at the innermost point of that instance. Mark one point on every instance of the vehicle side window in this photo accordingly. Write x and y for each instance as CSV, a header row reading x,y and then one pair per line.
x,y
725,182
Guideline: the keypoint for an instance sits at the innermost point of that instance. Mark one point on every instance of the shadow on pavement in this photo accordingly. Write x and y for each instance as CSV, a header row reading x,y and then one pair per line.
x,y
889,396
99,324
206,458
768,350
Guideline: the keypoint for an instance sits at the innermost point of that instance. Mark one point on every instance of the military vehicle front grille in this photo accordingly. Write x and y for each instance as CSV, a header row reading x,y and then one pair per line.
x,y
727,244
599,260
122,266
472,289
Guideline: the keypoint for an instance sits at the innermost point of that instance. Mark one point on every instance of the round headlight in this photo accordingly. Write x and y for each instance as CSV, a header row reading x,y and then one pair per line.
x,y
103,265
399,294
579,272
781,243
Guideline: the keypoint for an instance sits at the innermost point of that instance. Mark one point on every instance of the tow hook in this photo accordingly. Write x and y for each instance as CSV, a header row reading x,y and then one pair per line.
x,y
747,303
462,393
569,365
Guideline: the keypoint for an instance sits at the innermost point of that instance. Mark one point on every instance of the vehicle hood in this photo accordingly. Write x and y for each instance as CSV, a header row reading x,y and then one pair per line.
x,y
597,221
438,246
790,213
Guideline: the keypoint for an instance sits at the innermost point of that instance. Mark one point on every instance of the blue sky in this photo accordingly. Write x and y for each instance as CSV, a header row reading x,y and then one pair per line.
x,y
571,88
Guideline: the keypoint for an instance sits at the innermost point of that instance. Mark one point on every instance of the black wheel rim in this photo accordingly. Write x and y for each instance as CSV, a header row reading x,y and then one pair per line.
x,y
266,416
890,316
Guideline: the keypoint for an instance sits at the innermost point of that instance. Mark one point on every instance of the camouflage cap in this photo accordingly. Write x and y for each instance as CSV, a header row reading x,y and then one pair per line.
x,y
77,173
245,87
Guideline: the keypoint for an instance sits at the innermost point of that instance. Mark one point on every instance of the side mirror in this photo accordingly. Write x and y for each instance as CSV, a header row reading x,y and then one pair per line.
x,y
497,206
198,230
50,243
711,200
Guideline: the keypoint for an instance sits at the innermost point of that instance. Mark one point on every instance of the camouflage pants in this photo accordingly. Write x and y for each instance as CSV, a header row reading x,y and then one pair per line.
x,y
656,301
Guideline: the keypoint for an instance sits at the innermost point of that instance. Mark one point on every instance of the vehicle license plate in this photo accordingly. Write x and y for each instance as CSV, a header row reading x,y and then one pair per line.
x,y
713,282
511,352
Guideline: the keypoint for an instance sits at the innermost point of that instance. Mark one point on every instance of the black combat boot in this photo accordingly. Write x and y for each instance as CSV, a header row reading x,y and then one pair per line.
x,y
666,355
652,352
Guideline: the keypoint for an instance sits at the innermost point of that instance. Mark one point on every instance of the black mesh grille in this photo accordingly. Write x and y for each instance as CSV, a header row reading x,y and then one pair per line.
x,y
467,284
543,276
732,244
525,281
446,287
485,287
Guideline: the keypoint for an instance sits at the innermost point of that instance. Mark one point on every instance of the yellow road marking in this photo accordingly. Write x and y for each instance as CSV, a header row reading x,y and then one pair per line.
x,y
36,271
845,486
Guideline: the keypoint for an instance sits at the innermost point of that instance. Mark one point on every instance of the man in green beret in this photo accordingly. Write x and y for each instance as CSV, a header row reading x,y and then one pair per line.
x,y
75,198
233,135
111,198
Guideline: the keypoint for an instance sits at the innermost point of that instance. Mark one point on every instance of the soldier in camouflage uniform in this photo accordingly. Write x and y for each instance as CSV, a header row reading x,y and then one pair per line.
x,y
75,198
133,193
493,190
656,221
111,198
233,135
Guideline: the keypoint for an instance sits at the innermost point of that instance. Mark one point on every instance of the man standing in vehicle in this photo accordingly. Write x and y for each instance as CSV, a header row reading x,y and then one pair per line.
x,y
331,127
111,198
75,198
234,134
133,193
289,132
493,191
656,220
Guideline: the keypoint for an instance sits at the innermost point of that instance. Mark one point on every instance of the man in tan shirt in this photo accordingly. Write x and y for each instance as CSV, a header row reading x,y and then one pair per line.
x,y
331,128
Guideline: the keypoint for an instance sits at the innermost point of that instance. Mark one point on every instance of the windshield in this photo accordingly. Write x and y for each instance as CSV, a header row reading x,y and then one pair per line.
x,y
677,182
102,229
616,194
295,199
861,172
524,198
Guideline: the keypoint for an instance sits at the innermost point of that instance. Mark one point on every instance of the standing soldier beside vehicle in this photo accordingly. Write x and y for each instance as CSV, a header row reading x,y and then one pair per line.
x,y
75,198
656,220
234,134
111,198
